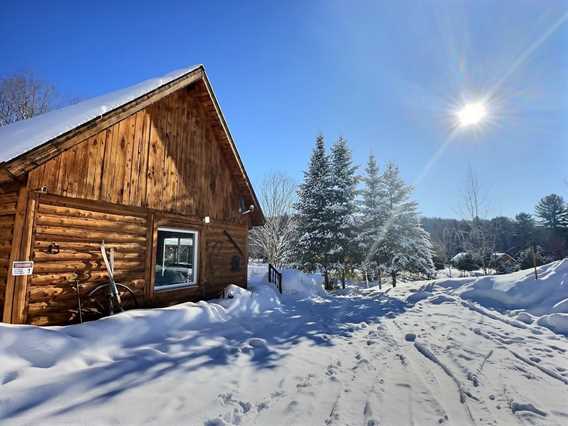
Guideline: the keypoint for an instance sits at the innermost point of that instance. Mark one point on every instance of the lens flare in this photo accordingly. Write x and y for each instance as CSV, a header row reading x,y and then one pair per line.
x,y
471,114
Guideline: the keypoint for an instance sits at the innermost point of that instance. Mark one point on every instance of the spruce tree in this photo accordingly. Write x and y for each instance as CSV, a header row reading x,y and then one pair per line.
x,y
404,245
342,207
313,218
371,217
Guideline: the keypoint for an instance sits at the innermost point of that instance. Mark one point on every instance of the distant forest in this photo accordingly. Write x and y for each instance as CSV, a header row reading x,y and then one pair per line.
x,y
546,232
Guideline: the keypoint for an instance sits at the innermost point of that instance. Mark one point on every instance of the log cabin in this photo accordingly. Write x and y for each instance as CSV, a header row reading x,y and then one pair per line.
x,y
152,171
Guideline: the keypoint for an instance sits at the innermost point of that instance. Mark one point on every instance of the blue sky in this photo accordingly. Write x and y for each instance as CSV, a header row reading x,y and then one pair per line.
x,y
385,75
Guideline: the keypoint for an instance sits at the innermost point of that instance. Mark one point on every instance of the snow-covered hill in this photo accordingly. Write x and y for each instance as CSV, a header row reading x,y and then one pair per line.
x,y
422,353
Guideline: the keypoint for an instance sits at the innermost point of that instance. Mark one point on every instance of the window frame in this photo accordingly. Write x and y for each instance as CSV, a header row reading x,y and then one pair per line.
x,y
195,282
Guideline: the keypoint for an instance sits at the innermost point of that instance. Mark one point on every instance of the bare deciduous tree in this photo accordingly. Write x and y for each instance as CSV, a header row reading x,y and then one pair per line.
x,y
274,240
22,96
480,238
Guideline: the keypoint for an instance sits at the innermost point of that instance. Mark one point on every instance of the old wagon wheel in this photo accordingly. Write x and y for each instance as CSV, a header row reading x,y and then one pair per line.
x,y
100,302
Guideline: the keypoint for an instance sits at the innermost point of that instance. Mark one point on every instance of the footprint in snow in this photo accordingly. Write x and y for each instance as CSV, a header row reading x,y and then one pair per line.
x,y
9,377
254,344
517,407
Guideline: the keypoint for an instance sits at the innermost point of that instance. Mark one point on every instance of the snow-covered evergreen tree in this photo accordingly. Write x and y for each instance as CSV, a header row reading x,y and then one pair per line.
x,y
342,207
371,218
314,213
403,244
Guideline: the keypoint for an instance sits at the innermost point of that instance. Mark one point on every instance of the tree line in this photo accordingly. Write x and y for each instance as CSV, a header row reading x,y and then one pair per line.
x,y
342,222
528,238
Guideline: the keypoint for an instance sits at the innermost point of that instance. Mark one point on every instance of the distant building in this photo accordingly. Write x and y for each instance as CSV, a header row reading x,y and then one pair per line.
x,y
504,263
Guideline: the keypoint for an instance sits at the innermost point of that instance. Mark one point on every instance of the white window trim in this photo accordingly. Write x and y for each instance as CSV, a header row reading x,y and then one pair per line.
x,y
195,260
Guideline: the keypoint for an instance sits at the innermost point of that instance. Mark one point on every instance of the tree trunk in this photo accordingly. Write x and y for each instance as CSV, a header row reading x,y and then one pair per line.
x,y
326,280
380,279
393,275
343,279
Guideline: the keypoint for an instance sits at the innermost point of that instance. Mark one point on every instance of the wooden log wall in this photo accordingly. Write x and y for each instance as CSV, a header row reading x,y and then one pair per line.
x,y
7,215
66,248
76,232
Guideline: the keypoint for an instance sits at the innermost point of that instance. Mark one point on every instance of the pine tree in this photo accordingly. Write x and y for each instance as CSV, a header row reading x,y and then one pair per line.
x,y
404,245
553,212
371,217
524,233
342,206
313,227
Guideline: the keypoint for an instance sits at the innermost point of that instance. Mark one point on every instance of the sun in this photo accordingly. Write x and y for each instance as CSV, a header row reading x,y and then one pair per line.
x,y
471,114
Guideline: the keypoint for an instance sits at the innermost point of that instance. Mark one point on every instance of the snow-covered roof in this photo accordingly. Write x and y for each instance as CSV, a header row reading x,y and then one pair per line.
x,y
459,256
22,136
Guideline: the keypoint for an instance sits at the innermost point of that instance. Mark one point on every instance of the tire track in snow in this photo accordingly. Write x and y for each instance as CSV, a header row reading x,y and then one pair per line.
x,y
411,379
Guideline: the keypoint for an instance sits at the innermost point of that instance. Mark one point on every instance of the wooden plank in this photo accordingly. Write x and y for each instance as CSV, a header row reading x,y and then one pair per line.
x,y
17,287
15,252
129,213
137,194
41,254
83,276
150,256
155,161
96,154
80,266
70,234
89,224
89,246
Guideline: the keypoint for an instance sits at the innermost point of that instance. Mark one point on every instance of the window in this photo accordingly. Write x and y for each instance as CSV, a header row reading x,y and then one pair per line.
x,y
176,258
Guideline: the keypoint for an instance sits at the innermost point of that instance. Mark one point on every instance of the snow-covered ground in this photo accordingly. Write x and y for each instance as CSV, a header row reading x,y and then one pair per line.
x,y
422,353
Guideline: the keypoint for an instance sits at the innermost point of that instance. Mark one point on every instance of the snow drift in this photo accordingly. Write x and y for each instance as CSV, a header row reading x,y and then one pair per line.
x,y
520,290
294,283
543,301
43,347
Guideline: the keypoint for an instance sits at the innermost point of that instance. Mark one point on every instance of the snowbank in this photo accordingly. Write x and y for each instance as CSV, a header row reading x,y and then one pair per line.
x,y
294,283
556,322
519,293
43,347
300,284
520,290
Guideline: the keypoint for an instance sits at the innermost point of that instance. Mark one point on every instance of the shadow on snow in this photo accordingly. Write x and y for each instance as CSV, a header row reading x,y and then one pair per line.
x,y
318,321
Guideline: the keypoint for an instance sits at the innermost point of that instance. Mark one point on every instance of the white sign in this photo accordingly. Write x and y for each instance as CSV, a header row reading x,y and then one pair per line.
x,y
22,267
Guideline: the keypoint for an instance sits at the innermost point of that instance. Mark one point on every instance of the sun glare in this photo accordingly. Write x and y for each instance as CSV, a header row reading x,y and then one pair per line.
x,y
471,114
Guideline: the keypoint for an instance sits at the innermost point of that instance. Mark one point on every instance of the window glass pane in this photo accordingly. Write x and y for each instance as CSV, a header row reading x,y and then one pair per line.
x,y
175,258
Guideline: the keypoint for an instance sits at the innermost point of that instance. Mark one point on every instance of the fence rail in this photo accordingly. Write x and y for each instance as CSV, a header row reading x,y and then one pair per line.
x,y
274,276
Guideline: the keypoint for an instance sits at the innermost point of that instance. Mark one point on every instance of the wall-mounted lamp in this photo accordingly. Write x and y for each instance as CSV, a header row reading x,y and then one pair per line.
x,y
206,220
53,248
250,210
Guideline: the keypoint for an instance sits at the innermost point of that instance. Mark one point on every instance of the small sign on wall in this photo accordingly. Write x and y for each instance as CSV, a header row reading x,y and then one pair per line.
x,y
22,267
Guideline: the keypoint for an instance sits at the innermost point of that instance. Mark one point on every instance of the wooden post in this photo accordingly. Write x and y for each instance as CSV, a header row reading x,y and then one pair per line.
x,y
534,260
15,308
149,263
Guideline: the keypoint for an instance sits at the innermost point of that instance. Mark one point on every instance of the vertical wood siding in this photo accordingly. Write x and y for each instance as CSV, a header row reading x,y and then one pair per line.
x,y
165,157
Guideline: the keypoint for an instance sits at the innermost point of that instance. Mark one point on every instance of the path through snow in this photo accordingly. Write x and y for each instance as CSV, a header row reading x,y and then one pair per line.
x,y
335,360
